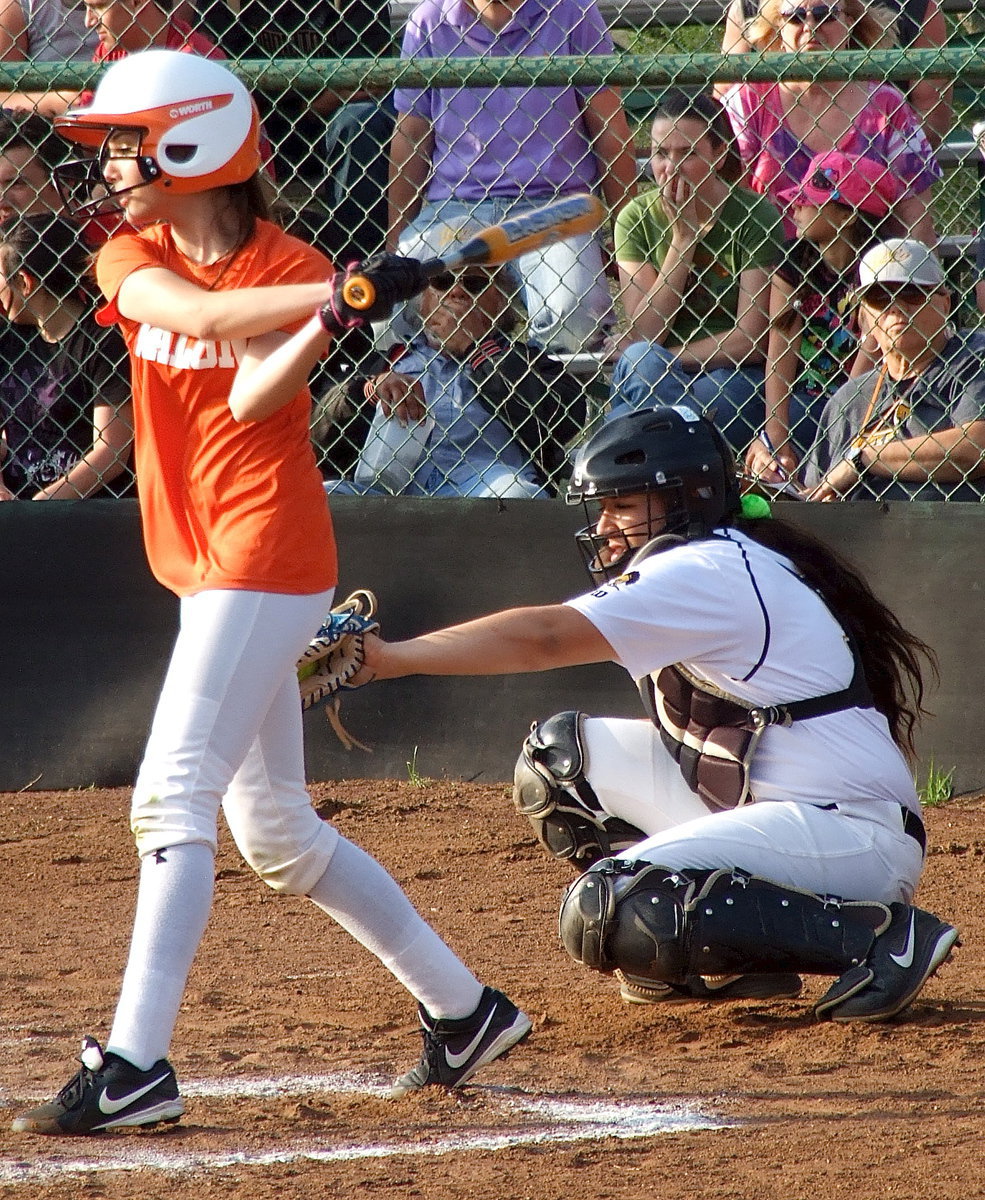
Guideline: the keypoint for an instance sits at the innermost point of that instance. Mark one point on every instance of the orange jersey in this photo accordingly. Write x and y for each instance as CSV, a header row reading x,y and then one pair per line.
x,y
224,504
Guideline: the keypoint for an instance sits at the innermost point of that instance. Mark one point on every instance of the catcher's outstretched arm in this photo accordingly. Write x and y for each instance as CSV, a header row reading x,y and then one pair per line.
x,y
511,642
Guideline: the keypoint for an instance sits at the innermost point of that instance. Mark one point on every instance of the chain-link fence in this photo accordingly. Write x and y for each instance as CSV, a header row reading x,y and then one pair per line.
x,y
728,279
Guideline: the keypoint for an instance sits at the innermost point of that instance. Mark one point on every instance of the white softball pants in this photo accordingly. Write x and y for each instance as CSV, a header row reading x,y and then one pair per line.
x,y
857,850
227,731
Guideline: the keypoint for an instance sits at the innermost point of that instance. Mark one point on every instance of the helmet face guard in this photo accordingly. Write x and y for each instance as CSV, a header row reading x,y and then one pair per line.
x,y
671,452
601,562
83,187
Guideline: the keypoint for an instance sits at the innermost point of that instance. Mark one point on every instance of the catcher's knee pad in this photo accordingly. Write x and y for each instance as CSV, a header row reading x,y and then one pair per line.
x,y
665,925
550,789
629,915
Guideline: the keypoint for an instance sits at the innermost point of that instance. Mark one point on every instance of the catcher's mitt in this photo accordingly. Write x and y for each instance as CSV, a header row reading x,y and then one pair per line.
x,y
334,655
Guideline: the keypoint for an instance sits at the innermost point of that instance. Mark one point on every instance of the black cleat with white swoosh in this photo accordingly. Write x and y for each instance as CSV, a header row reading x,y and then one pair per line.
x,y
455,1050
107,1093
902,959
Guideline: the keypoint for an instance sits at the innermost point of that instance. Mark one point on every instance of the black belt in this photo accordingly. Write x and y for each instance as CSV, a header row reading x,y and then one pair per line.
x,y
914,827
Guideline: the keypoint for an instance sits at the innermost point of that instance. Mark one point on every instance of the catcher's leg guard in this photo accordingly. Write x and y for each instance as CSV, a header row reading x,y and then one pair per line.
x,y
657,924
551,791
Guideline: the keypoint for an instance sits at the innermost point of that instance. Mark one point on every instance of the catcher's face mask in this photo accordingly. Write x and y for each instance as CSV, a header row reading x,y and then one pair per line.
x,y
622,525
673,455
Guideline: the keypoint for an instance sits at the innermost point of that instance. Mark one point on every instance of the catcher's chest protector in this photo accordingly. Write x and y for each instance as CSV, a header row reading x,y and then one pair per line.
x,y
709,734
712,736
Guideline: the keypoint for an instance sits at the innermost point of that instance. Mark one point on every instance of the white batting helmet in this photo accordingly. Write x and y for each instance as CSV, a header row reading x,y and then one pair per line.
x,y
198,125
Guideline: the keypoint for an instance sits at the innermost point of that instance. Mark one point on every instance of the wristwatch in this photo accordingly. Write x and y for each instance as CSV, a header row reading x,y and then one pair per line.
x,y
854,456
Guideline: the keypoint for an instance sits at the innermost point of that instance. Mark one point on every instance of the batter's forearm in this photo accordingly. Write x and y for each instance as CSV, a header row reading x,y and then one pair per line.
x,y
264,384
157,296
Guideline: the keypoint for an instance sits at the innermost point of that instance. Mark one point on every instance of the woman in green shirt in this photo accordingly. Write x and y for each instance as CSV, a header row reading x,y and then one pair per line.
x,y
695,257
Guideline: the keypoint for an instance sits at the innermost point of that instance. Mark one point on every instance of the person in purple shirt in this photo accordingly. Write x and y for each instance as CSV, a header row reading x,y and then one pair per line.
x,y
490,152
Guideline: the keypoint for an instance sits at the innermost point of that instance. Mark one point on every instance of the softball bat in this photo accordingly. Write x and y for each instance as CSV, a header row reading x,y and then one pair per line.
x,y
501,243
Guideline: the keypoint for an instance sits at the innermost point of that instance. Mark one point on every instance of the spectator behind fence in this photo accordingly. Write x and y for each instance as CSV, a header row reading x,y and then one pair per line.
x,y
43,31
492,152
915,426
466,410
30,151
695,256
120,27
815,342
919,25
68,437
780,126
335,141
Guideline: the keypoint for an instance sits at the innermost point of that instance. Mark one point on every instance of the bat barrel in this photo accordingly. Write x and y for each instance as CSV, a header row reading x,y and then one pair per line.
x,y
498,244
535,229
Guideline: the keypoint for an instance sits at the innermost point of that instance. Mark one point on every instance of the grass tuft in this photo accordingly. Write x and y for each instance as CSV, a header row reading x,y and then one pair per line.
x,y
413,774
937,788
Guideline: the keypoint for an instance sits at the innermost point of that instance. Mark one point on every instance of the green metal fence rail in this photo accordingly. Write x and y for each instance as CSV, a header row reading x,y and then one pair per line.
x,y
617,70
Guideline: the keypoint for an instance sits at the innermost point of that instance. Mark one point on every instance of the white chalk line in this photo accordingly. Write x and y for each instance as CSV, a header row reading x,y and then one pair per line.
x,y
538,1121
236,1087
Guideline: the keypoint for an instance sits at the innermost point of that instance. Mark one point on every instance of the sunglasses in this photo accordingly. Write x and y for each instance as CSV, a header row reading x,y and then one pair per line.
x,y
475,284
818,13
910,295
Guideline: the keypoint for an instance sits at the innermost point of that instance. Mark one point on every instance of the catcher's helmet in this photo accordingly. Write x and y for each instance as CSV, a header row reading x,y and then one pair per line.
x,y
197,124
669,450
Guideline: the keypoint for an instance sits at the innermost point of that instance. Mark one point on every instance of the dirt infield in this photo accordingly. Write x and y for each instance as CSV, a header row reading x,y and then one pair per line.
x,y
289,1032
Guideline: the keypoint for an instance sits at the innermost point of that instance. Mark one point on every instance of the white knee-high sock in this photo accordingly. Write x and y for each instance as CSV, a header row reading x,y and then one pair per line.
x,y
174,899
368,903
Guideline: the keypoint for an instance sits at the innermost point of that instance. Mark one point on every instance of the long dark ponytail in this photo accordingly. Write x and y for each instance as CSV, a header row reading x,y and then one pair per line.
x,y
245,204
894,660
249,204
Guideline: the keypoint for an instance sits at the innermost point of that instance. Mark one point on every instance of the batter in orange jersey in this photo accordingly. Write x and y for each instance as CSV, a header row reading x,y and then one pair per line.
x,y
224,317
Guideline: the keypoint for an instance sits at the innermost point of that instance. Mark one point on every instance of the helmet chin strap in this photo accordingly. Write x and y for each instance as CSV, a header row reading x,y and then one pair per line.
x,y
136,187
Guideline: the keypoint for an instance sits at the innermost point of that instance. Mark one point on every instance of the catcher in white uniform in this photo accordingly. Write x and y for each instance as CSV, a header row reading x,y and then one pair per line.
x,y
764,822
